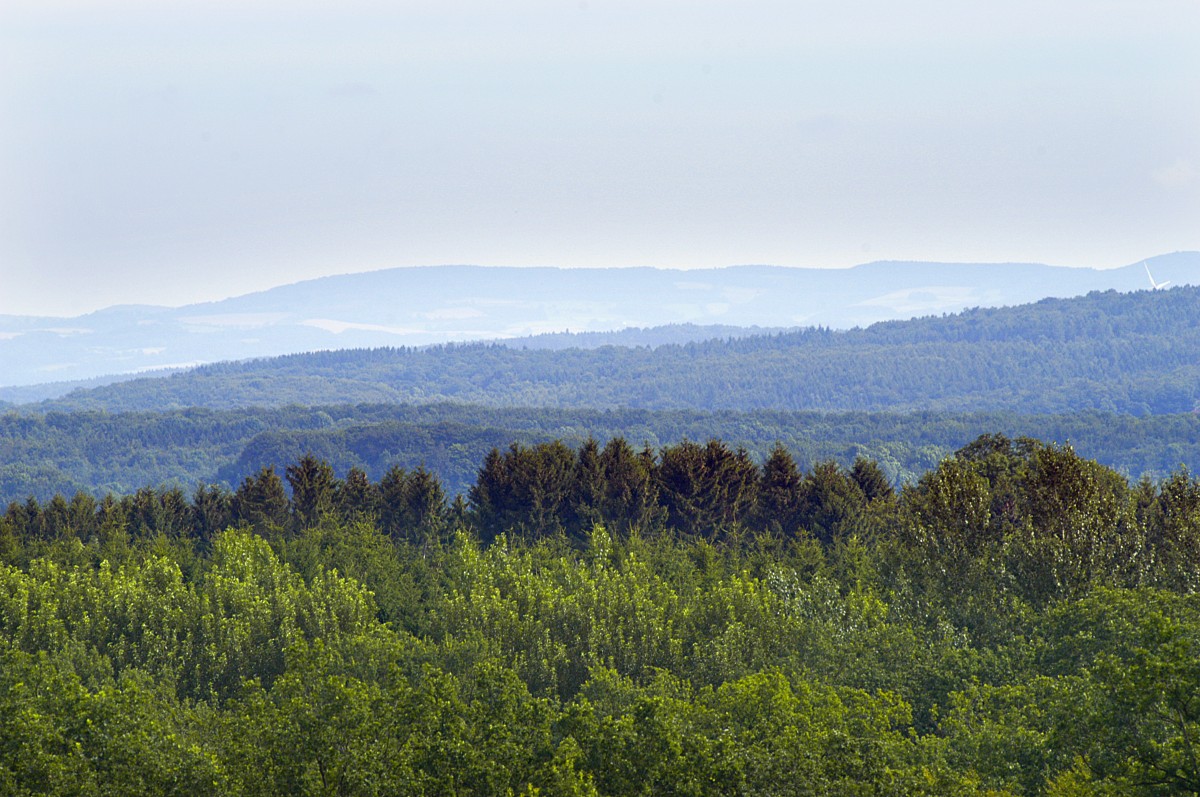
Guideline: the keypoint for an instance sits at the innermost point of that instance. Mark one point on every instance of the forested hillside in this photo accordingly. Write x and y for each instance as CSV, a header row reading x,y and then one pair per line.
x,y
97,452
1136,353
440,304
579,597
631,336
1021,621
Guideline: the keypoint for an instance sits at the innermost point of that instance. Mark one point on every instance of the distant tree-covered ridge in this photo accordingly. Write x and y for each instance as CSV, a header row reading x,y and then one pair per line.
x,y
612,621
426,305
97,452
1136,353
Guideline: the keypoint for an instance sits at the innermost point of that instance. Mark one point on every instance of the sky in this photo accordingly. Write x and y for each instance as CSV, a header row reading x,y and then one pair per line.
x,y
169,151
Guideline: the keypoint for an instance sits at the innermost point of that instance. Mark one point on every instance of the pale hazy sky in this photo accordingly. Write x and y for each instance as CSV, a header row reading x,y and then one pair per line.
x,y
167,151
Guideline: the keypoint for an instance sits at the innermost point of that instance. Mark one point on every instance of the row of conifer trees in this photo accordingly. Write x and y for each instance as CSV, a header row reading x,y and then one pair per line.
x,y
548,489
1026,504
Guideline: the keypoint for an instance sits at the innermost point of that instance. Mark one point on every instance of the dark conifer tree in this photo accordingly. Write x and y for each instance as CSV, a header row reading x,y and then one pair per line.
x,y
779,494
212,511
175,514
17,518
489,496
830,503
871,479
413,505
56,518
10,542
112,521
683,482
587,497
630,498
83,515
261,502
145,507
425,505
544,477
163,511
313,490
393,501
734,479
356,497
32,520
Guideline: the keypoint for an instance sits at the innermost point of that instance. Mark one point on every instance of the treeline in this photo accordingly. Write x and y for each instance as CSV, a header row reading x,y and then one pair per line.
x,y
1021,621
1133,353
1055,519
532,492
99,453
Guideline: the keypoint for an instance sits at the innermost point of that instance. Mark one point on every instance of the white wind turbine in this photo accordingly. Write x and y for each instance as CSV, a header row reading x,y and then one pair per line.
x,y
1154,285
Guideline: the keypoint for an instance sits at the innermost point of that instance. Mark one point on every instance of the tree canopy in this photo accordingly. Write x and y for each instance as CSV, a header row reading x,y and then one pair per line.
x,y
603,620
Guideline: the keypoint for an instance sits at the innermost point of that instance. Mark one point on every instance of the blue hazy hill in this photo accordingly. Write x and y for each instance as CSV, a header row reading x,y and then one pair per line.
x,y
439,304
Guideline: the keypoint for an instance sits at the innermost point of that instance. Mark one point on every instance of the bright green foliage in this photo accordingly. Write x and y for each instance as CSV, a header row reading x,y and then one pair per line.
x,y
1175,533
1116,710
124,737
1019,622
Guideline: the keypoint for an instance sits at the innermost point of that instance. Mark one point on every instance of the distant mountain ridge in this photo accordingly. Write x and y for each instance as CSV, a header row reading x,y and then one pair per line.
x,y
1135,353
438,304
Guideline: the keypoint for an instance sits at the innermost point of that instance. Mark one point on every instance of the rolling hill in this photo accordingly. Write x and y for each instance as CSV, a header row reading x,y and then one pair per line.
x,y
1135,353
441,304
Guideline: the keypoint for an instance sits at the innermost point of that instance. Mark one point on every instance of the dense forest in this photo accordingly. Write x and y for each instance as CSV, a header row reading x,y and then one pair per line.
x,y
1134,353
611,620
97,452
951,556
